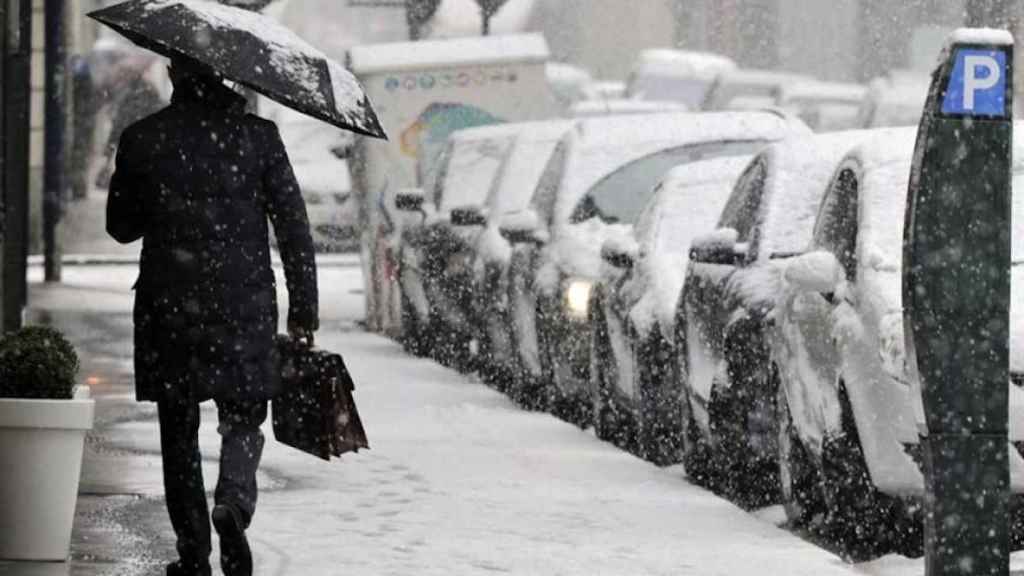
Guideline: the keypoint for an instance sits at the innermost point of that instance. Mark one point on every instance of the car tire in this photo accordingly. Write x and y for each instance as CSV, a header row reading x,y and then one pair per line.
x,y
659,429
451,347
612,423
750,473
800,482
698,457
415,337
861,522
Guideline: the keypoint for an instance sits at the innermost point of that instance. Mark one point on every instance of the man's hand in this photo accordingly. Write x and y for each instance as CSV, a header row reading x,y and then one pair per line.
x,y
300,333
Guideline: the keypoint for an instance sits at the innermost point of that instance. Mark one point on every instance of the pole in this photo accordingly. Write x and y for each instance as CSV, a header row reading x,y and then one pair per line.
x,y
956,296
6,17
16,98
54,166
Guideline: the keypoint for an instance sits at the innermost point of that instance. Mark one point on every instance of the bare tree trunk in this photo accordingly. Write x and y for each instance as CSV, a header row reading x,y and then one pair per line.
x,y
486,25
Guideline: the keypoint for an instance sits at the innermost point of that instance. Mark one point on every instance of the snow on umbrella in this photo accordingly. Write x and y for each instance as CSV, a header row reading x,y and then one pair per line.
x,y
251,49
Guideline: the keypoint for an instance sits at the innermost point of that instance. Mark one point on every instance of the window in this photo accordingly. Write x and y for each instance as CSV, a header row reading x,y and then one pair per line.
x,y
620,196
550,180
837,226
742,209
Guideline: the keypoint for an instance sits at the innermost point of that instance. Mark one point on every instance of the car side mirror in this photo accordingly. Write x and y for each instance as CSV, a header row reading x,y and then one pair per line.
x,y
817,271
718,247
621,253
468,216
522,227
410,199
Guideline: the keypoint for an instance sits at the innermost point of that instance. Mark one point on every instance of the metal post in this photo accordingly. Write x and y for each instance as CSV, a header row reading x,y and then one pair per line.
x,y
16,98
956,297
54,166
5,26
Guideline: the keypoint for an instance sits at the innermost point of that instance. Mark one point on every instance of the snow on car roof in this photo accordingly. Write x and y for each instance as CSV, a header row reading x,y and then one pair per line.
x,y
895,100
798,172
524,164
393,57
598,146
817,90
686,63
591,108
687,204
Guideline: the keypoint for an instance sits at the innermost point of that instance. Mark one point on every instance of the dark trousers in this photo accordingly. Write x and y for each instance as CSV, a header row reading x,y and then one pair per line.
x,y
241,448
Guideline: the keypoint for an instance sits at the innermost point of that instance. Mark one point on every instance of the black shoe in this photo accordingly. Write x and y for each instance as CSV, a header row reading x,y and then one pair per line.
x,y
235,556
179,568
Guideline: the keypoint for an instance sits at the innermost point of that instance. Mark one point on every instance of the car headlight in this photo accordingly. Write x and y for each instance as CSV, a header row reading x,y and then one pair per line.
x,y
577,297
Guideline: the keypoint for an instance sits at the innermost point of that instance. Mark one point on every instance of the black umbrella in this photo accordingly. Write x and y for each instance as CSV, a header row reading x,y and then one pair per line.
x,y
250,49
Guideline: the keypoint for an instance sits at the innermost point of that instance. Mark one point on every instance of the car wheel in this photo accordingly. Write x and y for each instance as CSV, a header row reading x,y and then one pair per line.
x,y
415,337
451,347
660,426
861,521
799,478
612,423
698,459
743,424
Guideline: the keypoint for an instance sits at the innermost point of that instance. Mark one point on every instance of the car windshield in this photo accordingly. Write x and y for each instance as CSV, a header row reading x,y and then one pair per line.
x,y
471,169
620,196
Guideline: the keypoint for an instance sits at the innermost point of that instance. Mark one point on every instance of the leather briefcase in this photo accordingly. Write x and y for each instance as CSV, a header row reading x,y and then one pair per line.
x,y
315,411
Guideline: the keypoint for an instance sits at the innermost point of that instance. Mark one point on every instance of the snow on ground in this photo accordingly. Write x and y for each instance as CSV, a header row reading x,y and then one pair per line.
x,y
460,481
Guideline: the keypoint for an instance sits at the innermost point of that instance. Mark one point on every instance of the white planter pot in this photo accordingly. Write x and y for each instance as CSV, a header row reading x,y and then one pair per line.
x,y
41,444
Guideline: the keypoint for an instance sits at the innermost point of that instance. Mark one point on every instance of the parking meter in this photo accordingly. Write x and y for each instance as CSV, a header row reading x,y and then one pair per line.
x,y
956,297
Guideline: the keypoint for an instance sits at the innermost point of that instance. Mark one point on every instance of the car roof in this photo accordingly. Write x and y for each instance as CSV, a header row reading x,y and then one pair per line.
x,y
524,164
599,146
682,63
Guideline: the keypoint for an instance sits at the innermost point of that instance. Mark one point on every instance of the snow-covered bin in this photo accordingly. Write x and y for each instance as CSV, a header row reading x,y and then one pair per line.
x,y
41,443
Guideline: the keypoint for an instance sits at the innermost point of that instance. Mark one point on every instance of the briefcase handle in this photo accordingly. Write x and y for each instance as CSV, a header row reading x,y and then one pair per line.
x,y
302,337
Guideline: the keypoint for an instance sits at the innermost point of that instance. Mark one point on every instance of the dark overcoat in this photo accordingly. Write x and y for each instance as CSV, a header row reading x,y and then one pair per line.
x,y
197,183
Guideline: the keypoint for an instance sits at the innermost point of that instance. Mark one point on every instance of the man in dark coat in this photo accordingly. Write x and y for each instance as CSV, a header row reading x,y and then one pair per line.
x,y
197,182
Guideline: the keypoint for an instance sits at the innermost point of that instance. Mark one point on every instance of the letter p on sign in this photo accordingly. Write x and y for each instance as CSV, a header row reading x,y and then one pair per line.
x,y
977,85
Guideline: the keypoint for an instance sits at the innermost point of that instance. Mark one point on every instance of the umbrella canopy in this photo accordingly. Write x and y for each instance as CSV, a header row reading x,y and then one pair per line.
x,y
250,49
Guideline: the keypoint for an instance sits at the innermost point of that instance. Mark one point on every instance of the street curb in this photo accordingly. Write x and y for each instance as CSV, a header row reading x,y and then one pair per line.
x,y
347,260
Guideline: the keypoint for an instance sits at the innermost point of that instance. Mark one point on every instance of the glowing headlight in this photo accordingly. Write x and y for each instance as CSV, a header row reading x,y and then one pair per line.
x,y
577,297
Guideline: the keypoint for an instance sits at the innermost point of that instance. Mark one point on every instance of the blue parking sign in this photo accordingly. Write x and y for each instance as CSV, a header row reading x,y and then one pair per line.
x,y
977,86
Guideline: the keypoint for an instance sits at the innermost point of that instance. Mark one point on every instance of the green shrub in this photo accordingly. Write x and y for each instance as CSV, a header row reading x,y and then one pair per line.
x,y
37,362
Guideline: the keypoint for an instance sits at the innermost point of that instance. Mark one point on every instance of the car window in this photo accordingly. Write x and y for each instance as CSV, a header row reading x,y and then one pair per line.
x,y
470,171
433,181
547,187
620,196
837,223
741,210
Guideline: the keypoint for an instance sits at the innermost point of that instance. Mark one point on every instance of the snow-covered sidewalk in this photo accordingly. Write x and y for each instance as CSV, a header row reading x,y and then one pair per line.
x,y
459,480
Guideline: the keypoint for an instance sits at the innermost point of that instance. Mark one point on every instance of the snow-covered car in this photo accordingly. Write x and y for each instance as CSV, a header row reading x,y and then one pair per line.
x,y
849,408
622,106
632,309
490,254
593,187
825,106
675,75
316,149
726,308
434,250
745,89
568,83
895,99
